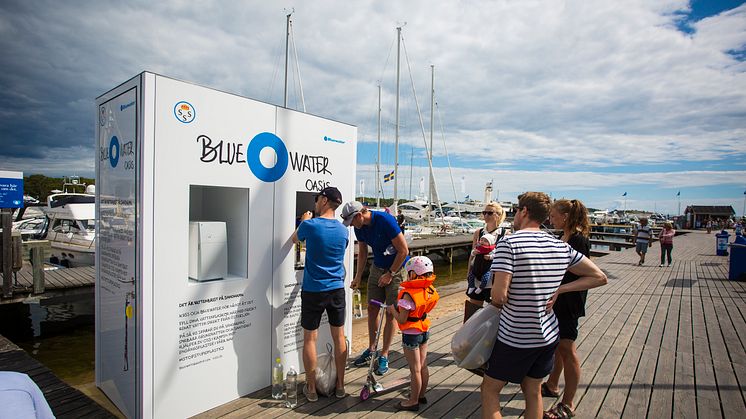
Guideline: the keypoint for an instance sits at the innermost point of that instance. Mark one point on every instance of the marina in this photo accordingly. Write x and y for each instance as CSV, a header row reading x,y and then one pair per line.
x,y
655,342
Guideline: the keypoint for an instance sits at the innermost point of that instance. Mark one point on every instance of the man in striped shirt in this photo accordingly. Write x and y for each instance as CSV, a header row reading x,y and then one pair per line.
x,y
528,267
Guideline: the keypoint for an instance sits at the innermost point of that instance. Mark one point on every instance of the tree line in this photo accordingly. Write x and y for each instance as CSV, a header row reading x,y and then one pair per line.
x,y
40,186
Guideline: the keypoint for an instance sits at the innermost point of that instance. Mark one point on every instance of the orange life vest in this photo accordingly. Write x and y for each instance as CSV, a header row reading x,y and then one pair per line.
x,y
425,297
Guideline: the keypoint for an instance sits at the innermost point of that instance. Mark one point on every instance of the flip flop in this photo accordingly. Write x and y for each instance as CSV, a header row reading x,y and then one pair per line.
x,y
412,408
546,392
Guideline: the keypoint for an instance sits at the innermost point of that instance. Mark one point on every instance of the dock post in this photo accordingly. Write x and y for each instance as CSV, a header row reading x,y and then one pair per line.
x,y
7,223
37,261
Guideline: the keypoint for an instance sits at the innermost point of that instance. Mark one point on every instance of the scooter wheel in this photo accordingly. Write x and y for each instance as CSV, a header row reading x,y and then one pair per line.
x,y
364,393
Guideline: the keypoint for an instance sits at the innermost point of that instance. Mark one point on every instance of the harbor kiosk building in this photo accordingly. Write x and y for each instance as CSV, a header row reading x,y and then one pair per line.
x,y
697,215
171,153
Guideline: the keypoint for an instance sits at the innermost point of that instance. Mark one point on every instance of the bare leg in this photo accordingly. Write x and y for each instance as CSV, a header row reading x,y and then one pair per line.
x,y
491,389
413,359
309,357
424,372
531,388
388,334
553,380
340,354
372,325
566,350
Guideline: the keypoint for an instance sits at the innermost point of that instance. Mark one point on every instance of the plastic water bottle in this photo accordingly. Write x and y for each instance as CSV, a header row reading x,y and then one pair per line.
x,y
277,384
291,388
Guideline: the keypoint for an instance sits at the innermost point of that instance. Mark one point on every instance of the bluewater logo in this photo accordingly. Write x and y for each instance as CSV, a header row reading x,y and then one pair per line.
x,y
125,106
114,151
184,112
256,145
332,140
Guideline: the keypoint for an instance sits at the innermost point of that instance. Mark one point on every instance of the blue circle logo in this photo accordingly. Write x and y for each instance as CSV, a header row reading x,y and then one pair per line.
x,y
256,145
184,112
114,151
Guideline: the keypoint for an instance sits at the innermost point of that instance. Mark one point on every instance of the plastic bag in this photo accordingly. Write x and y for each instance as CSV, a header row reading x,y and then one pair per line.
x,y
326,372
472,344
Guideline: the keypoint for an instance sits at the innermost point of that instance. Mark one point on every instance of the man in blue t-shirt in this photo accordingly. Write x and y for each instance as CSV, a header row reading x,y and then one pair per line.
x,y
323,285
390,251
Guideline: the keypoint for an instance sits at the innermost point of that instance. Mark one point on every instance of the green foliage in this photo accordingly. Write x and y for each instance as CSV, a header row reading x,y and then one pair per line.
x,y
39,186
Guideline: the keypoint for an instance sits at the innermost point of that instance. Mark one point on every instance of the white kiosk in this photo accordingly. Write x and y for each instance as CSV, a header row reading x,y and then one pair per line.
x,y
173,153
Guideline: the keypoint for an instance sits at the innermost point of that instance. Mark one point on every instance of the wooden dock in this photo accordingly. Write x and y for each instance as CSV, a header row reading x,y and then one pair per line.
x,y
655,342
58,282
65,401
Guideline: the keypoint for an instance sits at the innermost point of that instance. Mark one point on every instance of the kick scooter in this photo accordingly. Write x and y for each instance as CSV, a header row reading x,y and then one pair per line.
x,y
371,384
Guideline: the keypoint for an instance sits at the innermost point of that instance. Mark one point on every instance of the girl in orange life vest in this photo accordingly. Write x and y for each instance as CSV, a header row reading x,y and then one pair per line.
x,y
417,297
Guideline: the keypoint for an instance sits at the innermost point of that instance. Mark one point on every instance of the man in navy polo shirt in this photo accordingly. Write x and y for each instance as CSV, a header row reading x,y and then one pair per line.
x,y
323,285
390,251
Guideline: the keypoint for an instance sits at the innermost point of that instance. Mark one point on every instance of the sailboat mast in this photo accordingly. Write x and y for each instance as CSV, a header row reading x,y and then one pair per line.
x,y
378,161
430,153
396,142
287,50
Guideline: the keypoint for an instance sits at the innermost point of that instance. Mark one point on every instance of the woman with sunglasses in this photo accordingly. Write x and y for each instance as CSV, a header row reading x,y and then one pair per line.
x,y
572,218
493,215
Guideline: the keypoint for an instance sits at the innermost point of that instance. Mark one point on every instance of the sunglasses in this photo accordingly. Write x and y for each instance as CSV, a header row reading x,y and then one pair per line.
x,y
488,212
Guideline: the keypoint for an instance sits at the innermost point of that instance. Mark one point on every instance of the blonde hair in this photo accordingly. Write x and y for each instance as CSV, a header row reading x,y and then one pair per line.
x,y
494,206
577,215
668,225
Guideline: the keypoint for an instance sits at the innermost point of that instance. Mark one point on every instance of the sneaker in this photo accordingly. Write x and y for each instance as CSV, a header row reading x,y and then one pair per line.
x,y
661,265
363,359
311,397
340,393
383,365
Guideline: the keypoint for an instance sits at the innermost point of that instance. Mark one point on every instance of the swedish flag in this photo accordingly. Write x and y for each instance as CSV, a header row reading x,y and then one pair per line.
x,y
388,176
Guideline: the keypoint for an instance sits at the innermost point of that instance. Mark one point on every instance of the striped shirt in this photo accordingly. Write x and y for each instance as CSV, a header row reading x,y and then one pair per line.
x,y
643,234
537,261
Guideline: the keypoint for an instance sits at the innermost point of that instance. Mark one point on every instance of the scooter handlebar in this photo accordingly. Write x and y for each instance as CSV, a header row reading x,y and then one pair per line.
x,y
377,303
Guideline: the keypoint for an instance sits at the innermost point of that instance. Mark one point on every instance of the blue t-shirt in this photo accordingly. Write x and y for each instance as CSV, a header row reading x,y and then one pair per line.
x,y
378,234
326,241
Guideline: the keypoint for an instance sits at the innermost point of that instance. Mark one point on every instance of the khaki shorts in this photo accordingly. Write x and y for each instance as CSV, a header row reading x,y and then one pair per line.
x,y
388,293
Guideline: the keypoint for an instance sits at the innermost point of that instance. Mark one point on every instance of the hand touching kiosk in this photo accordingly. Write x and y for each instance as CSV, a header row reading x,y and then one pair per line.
x,y
197,278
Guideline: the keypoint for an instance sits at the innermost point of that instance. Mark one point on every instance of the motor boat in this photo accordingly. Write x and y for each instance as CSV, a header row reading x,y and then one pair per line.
x,y
71,229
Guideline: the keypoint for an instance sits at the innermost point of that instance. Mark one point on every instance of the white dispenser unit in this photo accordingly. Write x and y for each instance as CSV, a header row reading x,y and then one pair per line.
x,y
208,250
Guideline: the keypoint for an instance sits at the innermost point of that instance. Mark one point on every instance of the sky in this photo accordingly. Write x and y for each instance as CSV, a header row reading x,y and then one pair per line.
x,y
579,99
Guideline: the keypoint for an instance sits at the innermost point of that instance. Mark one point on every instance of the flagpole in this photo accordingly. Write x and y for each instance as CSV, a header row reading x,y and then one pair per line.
x,y
678,196
743,211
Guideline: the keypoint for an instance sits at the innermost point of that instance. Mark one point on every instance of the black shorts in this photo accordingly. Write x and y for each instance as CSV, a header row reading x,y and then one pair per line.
x,y
514,364
568,327
313,305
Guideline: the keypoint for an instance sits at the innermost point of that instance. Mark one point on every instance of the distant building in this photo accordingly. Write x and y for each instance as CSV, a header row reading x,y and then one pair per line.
x,y
697,215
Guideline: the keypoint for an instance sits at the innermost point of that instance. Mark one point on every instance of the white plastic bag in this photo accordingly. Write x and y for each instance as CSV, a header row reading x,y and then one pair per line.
x,y
326,372
472,344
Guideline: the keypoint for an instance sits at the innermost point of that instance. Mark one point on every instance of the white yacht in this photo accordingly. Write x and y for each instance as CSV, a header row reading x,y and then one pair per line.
x,y
72,224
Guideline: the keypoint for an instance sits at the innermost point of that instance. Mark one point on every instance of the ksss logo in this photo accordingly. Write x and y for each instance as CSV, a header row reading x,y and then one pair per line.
x,y
184,112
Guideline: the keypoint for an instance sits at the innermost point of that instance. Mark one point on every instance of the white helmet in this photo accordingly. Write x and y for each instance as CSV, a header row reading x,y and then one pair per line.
x,y
420,265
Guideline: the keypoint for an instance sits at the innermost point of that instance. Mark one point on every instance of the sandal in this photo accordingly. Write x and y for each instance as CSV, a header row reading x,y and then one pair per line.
x,y
547,392
559,411
412,408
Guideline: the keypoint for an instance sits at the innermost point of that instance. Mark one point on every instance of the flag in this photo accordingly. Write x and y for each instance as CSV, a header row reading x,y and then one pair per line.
x,y
679,193
466,197
624,194
388,176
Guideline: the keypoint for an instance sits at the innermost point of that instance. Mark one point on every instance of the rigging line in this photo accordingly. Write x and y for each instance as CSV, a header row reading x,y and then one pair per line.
x,y
385,64
278,57
448,159
297,67
422,125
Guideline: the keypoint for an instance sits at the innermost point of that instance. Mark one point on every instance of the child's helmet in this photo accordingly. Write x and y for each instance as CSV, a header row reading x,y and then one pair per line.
x,y
420,265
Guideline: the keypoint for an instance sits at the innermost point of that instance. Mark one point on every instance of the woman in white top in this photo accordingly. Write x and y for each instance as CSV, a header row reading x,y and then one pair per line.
x,y
494,215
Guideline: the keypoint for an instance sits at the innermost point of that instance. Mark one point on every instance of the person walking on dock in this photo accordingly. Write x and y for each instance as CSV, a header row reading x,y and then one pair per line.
x,y
323,285
494,215
528,268
641,238
666,239
570,216
390,252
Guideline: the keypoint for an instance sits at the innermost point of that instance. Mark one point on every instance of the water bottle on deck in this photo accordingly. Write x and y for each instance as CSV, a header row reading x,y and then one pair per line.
x,y
291,389
278,386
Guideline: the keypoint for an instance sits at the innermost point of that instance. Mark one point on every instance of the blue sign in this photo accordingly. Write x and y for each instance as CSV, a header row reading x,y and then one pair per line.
x,y
11,190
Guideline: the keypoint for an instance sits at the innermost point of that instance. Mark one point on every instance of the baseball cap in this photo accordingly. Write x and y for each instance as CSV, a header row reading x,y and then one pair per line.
x,y
420,265
332,194
349,210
